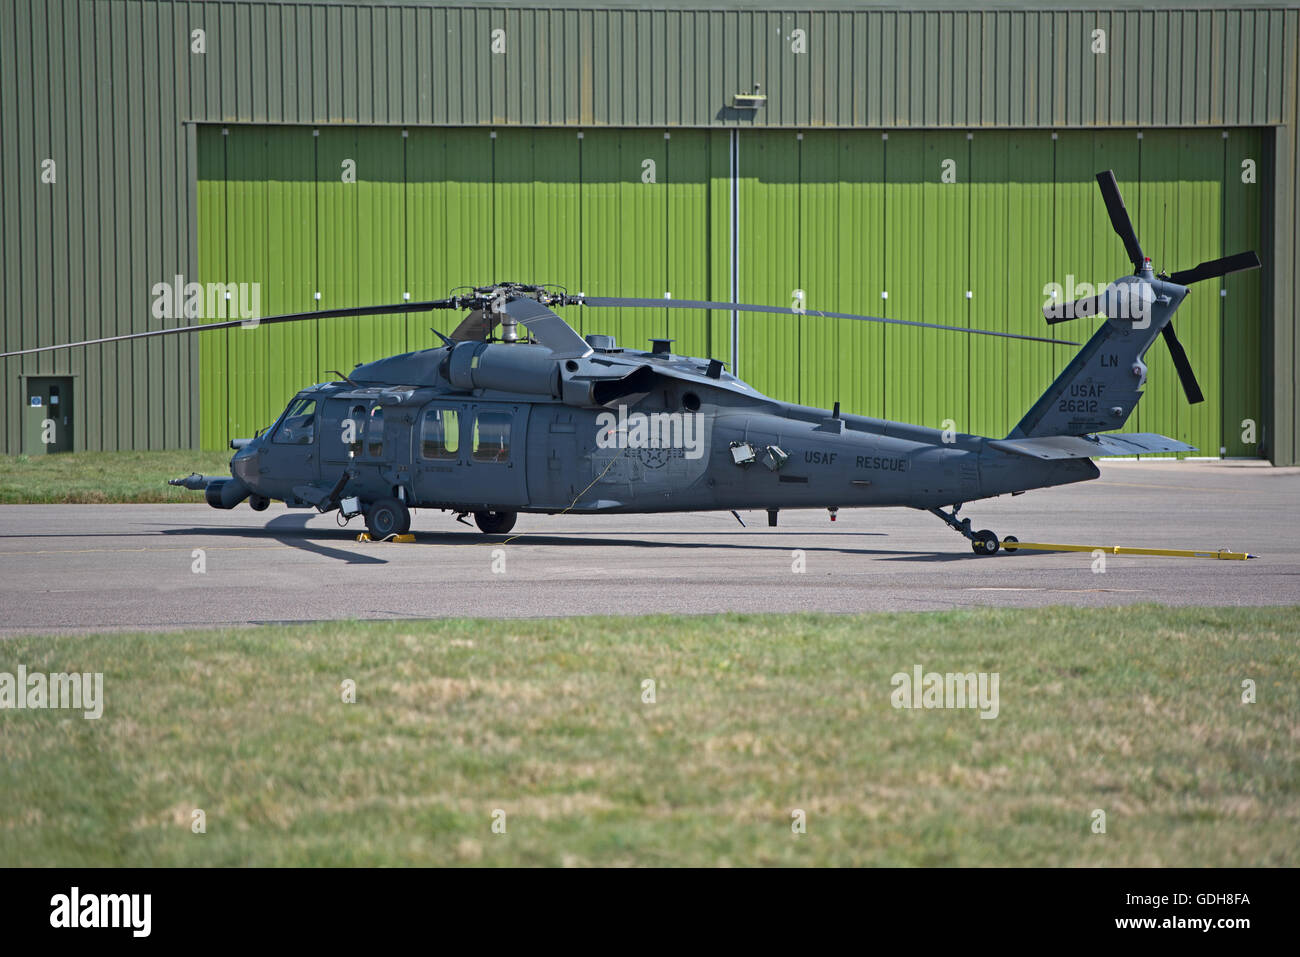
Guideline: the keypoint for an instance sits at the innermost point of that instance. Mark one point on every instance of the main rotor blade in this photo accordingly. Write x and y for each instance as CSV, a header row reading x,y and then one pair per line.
x,y
1214,268
250,323
548,328
1183,365
607,301
475,327
1119,216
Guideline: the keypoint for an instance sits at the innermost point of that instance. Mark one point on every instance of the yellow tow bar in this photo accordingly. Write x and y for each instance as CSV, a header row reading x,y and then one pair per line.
x,y
1010,544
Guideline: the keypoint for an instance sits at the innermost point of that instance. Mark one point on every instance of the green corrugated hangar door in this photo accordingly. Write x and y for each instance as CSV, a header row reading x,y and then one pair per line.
x,y
949,227
970,230
341,217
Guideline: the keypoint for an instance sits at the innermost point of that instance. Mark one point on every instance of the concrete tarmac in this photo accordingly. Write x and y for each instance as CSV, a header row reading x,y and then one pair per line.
x,y
76,568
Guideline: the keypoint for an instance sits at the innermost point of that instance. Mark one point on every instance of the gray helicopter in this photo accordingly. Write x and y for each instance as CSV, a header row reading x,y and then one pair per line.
x,y
548,421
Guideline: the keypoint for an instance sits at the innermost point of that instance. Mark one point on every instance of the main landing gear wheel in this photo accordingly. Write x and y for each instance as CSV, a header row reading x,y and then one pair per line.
x,y
1007,545
258,503
387,517
984,543
495,523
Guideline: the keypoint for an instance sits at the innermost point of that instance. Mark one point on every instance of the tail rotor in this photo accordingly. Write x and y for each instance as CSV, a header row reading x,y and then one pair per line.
x,y
1128,300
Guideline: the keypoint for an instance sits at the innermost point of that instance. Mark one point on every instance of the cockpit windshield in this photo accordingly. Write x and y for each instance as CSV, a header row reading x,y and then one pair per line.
x,y
298,427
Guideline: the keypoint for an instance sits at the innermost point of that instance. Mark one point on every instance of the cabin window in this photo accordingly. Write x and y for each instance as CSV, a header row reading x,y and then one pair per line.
x,y
492,437
440,434
298,427
375,433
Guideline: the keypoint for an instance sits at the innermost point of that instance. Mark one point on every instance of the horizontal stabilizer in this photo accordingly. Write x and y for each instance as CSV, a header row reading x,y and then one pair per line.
x,y
1086,446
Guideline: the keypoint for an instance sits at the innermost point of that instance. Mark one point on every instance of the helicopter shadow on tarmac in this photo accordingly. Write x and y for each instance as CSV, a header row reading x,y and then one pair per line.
x,y
526,538
292,530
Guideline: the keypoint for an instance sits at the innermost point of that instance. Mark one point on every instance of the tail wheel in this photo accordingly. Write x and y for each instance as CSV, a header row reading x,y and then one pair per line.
x,y
984,543
495,523
387,517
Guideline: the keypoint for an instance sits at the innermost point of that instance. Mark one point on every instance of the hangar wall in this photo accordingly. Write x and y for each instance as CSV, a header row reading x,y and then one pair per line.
x,y
842,216
113,93
432,210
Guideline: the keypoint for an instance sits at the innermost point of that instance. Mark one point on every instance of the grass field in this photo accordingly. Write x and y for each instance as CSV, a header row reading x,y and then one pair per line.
x,y
93,477
1134,711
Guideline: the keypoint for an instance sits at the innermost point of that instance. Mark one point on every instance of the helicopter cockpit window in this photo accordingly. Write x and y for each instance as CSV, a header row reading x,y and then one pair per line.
x,y
298,427
375,433
440,434
492,437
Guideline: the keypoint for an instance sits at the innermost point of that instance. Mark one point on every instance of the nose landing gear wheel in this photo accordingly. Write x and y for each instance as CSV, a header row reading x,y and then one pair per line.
x,y
984,543
495,523
387,517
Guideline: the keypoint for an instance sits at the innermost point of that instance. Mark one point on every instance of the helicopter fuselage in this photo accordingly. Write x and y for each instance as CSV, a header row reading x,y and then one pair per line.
x,y
677,447
545,419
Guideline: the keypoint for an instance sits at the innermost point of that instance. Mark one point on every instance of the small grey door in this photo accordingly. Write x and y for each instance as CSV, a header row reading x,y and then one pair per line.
x,y
47,425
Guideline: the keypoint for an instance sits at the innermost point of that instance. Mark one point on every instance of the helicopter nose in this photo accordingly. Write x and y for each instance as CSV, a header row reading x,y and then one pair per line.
x,y
244,466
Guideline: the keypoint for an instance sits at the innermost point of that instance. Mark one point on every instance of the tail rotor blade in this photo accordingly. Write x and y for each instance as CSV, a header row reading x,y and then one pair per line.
x,y
1119,216
1214,268
1183,365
